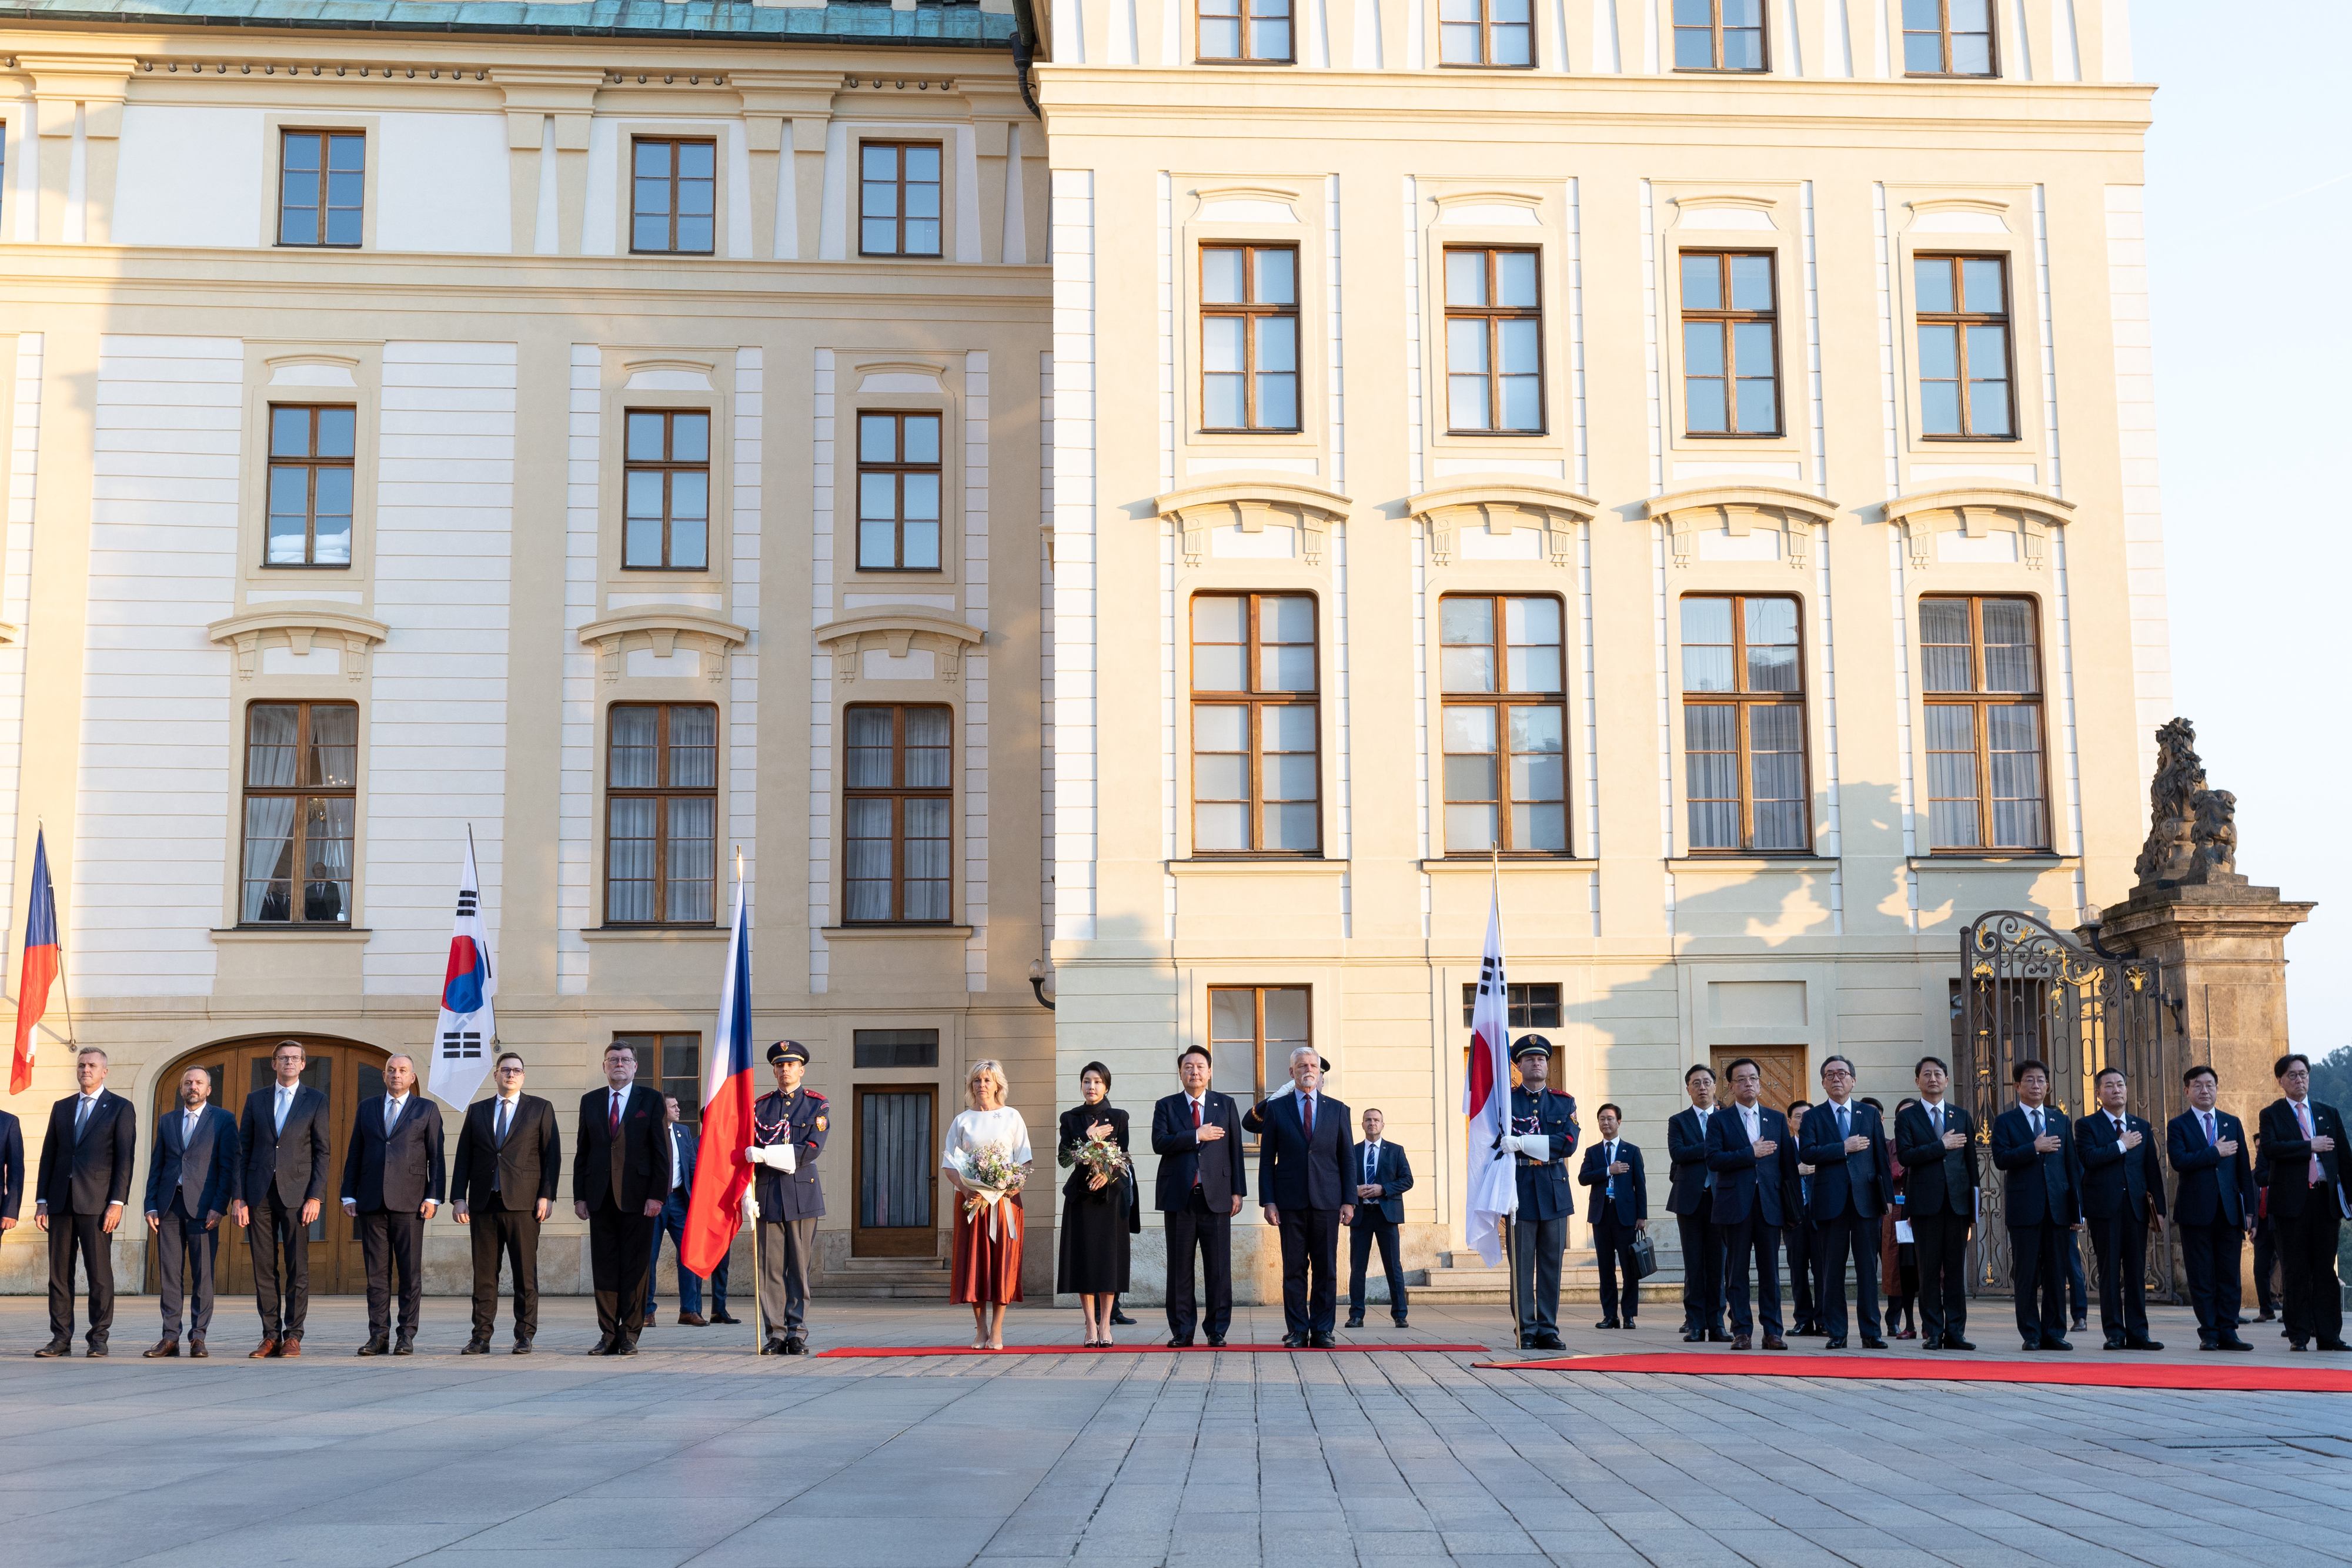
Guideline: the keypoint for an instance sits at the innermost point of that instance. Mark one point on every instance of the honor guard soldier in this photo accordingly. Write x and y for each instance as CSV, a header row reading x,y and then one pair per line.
x,y
787,1135
1542,1137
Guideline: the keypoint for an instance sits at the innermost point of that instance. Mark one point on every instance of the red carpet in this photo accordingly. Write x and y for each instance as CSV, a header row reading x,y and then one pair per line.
x,y
1139,1347
2203,1373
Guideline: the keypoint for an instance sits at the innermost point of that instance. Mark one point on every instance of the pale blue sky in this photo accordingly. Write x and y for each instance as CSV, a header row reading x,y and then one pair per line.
x,y
2250,220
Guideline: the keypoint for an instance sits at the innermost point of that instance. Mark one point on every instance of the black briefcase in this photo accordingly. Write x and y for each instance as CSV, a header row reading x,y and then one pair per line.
x,y
1645,1256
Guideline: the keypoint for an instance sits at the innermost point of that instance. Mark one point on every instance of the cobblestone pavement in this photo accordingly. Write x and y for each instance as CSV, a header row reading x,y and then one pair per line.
x,y
697,1452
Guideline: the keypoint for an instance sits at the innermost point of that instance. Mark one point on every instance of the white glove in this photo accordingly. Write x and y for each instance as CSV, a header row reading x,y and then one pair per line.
x,y
750,1205
1536,1147
786,1157
755,1155
1510,1143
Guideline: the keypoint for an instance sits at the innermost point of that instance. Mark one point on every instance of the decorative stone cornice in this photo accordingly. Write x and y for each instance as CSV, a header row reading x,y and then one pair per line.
x,y
1250,505
660,628
299,627
1501,506
1976,509
1737,506
897,631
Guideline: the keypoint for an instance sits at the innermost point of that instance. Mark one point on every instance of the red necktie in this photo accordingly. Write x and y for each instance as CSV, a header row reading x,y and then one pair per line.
x,y
612,1122
1196,1127
1310,1118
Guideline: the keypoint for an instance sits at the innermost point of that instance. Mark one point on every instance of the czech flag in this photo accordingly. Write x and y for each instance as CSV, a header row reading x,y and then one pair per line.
x,y
714,1212
465,1035
1492,1194
40,966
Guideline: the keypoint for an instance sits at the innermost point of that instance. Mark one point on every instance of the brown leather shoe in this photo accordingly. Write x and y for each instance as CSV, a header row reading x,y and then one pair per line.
x,y
164,1346
196,1350
290,1348
694,1319
267,1349
1774,1342
1740,1342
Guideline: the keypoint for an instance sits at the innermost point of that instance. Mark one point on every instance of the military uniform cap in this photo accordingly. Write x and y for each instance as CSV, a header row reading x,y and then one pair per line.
x,y
787,1050
1532,1045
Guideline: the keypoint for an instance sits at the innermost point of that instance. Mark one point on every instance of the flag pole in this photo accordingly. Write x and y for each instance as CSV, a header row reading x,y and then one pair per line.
x,y
1503,1087
759,1296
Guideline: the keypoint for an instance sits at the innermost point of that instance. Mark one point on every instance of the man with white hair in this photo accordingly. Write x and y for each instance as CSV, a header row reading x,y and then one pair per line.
x,y
1302,1172
394,1178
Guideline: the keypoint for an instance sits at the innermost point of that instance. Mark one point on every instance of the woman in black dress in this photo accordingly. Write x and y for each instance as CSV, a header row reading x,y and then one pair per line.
x,y
1099,1213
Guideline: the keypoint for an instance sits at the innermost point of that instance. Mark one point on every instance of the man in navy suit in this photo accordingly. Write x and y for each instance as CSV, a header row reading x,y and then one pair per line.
x,y
1690,1198
1621,1211
1936,1141
283,1137
84,1182
2040,1202
1797,1237
685,1151
1749,1149
11,1170
191,1184
1382,1175
2302,1142
392,1181
1302,1178
2123,1199
1853,1180
1197,1134
2214,1207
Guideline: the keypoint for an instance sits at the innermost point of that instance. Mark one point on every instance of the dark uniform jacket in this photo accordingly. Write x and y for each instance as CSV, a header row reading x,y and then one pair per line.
x,y
202,1169
2040,1188
1936,1180
2213,1191
2116,1181
801,1122
1742,1181
1544,1191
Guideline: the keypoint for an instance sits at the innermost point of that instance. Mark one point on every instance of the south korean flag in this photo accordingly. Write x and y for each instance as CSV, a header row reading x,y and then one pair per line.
x,y
467,1030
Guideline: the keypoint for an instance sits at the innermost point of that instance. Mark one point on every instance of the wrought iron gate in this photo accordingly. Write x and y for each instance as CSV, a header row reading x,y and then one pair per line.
x,y
2029,992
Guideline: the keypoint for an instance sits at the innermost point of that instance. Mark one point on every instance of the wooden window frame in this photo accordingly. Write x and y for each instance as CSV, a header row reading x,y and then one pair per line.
x,y
661,793
1267,1084
1487,26
1727,318
1250,311
298,835
312,463
660,1043
1503,699
1245,14
1978,699
1943,34
666,466
900,181
326,135
898,469
1519,1002
1253,702
1961,321
898,792
1494,315
1744,702
1716,29
718,179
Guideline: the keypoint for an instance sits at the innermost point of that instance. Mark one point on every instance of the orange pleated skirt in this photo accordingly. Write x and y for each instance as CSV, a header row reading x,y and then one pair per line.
x,y
987,1268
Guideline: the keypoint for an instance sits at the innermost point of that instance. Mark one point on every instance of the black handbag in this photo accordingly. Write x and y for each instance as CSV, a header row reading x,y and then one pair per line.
x,y
1645,1256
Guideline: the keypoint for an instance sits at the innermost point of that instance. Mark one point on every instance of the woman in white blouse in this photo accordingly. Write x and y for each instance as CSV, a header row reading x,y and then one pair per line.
x,y
988,1221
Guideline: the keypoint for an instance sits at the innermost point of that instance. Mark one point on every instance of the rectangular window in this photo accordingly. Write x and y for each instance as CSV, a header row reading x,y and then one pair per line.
x,y
1964,374
1947,37
1486,33
1256,763
301,769
1262,1025
1719,34
1249,337
670,1064
1493,341
1980,675
1731,350
1744,724
898,804
667,491
898,492
310,484
895,1047
661,787
1505,766
1532,1005
322,183
899,198
1253,31
674,197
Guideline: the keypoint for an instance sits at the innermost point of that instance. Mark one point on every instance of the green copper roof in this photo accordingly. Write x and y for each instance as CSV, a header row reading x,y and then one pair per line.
x,y
933,25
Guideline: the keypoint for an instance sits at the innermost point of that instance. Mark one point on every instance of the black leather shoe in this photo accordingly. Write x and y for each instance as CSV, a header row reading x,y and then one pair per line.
x,y
2210,1345
1871,1342
404,1345
1953,1342
97,1350
1548,1341
2031,1344
2051,1341
2115,1342
2298,1346
1296,1341
1216,1341
603,1346
724,1318
1355,1321
624,1347
377,1344
1321,1340
795,1345
1836,1341
1717,1336
1181,1342
1402,1324
2267,1316
2333,1344
1608,1323
1121,1319
521,1347
1695,1336
2143,1343
476,1347
773,1347
54,1348
2234,1343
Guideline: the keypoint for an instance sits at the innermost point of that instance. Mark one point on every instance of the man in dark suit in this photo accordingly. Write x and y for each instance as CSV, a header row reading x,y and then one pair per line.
x,y
684,1150
1690,1198
12,1171
1749,1150
283,1140
1302,1177
85,1180
1382,1176
2123,1200
1797,1237
2040,1201
619,1177
1936,1141
191,1185
1853,1181
1621,1211
2301,1140
1197,1134
2266,1269
2214,1206
509,1158
392,1181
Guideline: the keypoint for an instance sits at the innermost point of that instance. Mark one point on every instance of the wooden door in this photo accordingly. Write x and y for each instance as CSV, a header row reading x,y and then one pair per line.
x,y
1783,1070
346,1074
894,1160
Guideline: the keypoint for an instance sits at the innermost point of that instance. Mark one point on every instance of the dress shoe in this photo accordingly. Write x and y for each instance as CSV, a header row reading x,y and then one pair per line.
x,y
404,1345
1216,1341
287,1349
1908,1334
722,1317
773,1347
1355,1321
1717,1336
196,1351
2333,1344
2051,1341
266,1350
1628,1323
1321,1340
377,1344
1297,1341
795,1345
1549,1341
2081,1325
603,1346
1774,1342
2031,1344
1181,1342
1607,1323
1121,1319
2267,1315
2115,1342
1400,1322
624,1347
2209,1344
1740,1342
1695,1336
97,1350
478,1346
2143,1343
521,1347
1954,1342
1834,1342
162,1347
56,1347
2234,1343
1872,1341
694,1319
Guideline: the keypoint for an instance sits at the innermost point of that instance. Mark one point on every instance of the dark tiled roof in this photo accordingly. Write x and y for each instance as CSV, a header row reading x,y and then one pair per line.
x,y
958,26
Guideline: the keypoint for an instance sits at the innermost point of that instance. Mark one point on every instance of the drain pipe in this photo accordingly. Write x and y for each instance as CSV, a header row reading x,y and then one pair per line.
x,y
1025,51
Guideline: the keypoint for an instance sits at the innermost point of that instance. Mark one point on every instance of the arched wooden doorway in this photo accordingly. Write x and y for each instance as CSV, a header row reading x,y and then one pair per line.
x,y
343,1070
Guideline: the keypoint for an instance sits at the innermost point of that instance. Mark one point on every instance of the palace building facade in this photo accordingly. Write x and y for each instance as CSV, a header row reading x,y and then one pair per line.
x,y
1178,498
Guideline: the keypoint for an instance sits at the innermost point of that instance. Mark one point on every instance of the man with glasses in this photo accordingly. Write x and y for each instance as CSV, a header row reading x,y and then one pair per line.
x,y
2301,1141
1853,1181
283,1139
509,1160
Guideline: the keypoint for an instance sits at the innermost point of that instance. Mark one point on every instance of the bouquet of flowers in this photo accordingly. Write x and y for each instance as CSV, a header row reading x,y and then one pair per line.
x,y
989,1173
1102,1158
